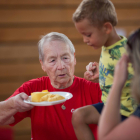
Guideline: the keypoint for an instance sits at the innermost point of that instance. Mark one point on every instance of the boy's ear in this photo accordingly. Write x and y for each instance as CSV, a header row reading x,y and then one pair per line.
x,y
42,66
108,27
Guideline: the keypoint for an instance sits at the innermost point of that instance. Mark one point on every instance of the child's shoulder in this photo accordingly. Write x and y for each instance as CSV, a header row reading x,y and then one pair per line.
x,y
120,44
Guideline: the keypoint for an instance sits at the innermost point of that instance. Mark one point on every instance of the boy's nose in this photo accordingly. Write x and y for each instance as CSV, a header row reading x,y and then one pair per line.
x,y
85,40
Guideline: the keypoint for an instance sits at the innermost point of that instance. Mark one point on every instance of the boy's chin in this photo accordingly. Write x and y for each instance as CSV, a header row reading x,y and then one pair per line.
x,y
95,47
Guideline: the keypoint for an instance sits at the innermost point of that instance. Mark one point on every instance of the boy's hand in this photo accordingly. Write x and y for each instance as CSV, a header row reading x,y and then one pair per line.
x,y
121,72
92,73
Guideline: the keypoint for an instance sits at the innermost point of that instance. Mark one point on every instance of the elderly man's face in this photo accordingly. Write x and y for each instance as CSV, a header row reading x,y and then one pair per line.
x,y
59,63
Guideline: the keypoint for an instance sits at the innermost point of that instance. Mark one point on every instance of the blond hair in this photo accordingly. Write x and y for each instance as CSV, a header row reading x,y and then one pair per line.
x,y
96,11
133,49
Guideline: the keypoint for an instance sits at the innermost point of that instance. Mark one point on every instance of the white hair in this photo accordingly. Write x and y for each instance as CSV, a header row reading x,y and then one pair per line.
x,y
53,36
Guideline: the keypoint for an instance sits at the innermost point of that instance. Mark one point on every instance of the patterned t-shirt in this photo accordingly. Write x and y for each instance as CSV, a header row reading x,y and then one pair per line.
x,y
108,59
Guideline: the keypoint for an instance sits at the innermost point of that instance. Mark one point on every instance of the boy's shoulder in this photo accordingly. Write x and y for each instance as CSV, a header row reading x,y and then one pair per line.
x,y
119,44
110,55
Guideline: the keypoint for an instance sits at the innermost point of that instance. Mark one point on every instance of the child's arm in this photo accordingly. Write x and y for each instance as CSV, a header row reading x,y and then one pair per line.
x,y
92,73
110,117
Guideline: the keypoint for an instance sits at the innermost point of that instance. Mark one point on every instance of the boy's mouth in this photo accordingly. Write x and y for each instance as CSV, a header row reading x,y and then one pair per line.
x,y
90,45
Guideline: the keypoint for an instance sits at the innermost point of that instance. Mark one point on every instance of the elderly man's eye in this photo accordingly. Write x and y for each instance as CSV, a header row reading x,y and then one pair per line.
x,y
52,60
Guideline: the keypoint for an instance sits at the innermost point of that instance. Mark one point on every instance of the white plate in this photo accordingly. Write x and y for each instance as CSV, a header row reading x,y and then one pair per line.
x,y
67,96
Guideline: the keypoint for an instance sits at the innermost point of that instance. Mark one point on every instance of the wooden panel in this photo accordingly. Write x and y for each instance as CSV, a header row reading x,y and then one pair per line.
x,y
22,125
20,70
133,14
18,52
28,52
54,15
34,69
45,15
13,2
38,2
128,29
8,88
23,130
28,34
22,137
126,1
27,70
34,34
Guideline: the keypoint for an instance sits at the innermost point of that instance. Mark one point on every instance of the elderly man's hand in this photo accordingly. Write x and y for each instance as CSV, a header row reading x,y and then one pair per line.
x,y
19,103
92,73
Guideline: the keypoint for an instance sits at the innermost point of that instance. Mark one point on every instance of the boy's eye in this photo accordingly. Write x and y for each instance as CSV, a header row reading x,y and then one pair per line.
x,y
89,35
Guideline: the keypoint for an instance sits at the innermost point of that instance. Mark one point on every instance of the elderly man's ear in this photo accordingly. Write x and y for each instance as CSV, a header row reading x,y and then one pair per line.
x,y
74,59
42,66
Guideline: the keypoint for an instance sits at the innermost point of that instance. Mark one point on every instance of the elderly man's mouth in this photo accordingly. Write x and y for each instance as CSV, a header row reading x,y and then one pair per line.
x,y
61,75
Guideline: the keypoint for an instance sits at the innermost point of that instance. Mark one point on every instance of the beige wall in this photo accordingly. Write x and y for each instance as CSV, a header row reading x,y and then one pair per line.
x,y
22,22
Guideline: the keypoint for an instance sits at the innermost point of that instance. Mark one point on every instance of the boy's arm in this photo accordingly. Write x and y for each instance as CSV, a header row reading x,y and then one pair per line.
x,y
11,106
110,117
92,73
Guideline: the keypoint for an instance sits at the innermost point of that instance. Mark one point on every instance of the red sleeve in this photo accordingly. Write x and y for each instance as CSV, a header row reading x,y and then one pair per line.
x,y
90,91
99,92
94,90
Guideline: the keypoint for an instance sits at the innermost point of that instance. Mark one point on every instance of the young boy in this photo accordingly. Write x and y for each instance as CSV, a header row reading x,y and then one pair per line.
x,y
96,21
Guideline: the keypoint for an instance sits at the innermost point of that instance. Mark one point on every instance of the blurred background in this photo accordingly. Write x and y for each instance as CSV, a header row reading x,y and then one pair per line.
x,y
22,22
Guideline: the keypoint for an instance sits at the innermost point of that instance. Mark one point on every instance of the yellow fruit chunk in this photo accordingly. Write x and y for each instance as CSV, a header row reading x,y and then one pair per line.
x,y
46,97
56,98
44,90
36,96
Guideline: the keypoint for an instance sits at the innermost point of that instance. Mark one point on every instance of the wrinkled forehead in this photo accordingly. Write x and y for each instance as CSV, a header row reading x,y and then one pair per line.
x,y
56,47
55,44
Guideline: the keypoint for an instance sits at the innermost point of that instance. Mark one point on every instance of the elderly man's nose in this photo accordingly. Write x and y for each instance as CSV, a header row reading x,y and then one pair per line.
x,y
60,64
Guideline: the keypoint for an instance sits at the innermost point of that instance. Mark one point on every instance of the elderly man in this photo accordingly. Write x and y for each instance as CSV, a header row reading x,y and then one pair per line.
x,y
57,58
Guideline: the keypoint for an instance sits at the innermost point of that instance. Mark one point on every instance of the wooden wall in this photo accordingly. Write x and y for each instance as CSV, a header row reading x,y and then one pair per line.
x,y
22,22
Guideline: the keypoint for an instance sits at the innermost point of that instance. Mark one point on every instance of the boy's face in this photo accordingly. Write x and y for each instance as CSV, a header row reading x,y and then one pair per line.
x,y
92,36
